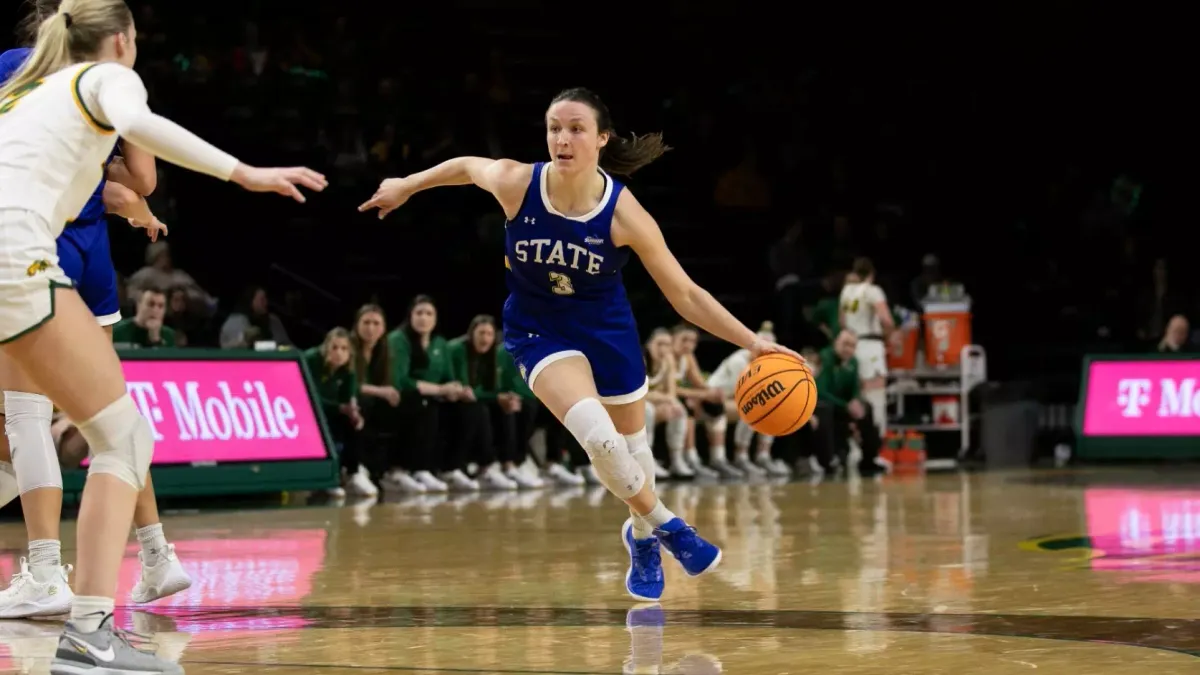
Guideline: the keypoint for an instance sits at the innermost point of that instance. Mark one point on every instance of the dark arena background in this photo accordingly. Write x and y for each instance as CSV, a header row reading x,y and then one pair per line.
x,y
1031,503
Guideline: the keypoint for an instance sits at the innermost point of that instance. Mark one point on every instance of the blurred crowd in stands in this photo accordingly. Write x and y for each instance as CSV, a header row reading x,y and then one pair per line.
x,y
780,178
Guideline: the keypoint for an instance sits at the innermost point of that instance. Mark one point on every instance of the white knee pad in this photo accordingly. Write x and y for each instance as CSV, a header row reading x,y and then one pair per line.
x,y
120,441
716,425
27,424
590,424
642,453
8,484
742,435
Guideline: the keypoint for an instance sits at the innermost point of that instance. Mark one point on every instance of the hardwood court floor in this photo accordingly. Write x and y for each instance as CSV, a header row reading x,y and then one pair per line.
x,y
1055,572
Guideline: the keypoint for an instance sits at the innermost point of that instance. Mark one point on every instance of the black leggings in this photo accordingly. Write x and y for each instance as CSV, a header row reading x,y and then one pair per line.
x,y
416,449
485,433
832,435
472,438
346,438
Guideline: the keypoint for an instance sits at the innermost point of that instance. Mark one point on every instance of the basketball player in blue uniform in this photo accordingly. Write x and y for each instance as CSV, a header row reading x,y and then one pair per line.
x,y
39,588
567,322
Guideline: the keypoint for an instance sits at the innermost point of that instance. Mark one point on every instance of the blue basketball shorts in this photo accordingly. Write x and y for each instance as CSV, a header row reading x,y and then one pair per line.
x,y
84,255
615,356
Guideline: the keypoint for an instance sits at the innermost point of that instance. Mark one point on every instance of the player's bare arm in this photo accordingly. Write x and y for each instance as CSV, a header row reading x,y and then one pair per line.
x,y
634,227
505,179
131,206
135,169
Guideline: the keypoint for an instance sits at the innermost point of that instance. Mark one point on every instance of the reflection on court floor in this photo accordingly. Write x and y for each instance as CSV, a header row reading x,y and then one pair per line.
x,y
1068,572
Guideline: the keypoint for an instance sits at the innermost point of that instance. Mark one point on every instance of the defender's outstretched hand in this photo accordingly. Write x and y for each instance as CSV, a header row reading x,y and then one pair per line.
x,y
391,195
283,181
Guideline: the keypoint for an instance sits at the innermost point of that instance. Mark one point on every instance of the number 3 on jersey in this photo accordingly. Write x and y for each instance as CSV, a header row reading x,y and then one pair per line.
x,y
12,99
562,284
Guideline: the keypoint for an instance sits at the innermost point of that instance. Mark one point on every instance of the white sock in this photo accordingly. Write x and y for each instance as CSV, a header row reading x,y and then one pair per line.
x,y
878,400
89,611
154,544
716,454
45,559
660,515
764,446
639,448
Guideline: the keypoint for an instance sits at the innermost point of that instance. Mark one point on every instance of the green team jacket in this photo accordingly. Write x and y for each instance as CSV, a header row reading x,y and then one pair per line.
x,y
838,382
507,378
334,389
404,376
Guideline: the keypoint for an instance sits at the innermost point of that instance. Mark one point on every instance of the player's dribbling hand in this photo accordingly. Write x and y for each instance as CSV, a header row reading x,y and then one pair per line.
x,y
391,195
153,227
279,180
762,346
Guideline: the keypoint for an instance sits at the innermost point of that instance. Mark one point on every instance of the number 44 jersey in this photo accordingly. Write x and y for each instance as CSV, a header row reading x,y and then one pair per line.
x,y
566,295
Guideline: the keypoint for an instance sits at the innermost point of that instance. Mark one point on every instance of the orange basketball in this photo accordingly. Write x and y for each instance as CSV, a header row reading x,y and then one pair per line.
x,y
776,394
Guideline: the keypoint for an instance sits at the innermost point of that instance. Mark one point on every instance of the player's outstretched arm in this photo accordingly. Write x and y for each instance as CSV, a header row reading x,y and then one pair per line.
x,y
504,178
634,227
116,95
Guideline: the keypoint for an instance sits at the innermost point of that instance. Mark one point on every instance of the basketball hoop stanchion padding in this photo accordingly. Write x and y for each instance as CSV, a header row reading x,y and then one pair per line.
x,y
947,331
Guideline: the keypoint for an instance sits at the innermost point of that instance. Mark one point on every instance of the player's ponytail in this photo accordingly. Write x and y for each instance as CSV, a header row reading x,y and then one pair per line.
x,y
51,53
74,33
621,156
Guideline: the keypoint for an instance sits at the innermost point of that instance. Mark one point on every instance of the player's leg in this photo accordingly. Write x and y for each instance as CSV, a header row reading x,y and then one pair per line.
x,y
39,588
872,365
162,575
55,340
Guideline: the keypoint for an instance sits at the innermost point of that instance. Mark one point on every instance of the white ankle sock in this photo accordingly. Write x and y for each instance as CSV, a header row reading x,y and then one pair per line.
x,y
154,544
45,559
89,611
639,448
660,515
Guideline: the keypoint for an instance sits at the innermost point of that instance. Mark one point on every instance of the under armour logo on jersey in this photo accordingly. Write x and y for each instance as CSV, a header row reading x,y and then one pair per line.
x,y
530,221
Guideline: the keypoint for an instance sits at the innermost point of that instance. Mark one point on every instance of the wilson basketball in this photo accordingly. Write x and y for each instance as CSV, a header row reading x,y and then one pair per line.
x,y
776,394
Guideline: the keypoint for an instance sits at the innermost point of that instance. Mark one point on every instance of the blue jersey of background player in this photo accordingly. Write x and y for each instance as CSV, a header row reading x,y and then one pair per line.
x,y
567,297
83,248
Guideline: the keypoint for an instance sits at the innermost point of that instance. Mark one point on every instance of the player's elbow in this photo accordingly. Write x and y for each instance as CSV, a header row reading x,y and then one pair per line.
x,y
144,182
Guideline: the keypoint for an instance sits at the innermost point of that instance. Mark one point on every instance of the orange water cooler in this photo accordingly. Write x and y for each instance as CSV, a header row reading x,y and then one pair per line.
x,y
947,331
902,354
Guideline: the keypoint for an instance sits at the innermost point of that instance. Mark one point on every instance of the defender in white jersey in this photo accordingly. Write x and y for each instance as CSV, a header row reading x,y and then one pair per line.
x,y
864,311
54,153
59,118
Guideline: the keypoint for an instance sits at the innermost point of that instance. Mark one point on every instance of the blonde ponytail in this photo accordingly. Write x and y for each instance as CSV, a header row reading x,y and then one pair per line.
x,y
73,34
51,54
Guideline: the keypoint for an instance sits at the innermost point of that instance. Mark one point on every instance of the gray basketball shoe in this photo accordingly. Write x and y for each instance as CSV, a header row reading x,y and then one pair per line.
x,y
108,651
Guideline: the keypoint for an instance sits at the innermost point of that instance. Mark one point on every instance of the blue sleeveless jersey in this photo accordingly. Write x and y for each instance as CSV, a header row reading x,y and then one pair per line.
x,y
83,248
566,294
93,211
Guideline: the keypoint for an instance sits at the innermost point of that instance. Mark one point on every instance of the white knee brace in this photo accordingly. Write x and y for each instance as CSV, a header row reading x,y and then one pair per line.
x,y
27,424
677,434
642,453
120,441
590,424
